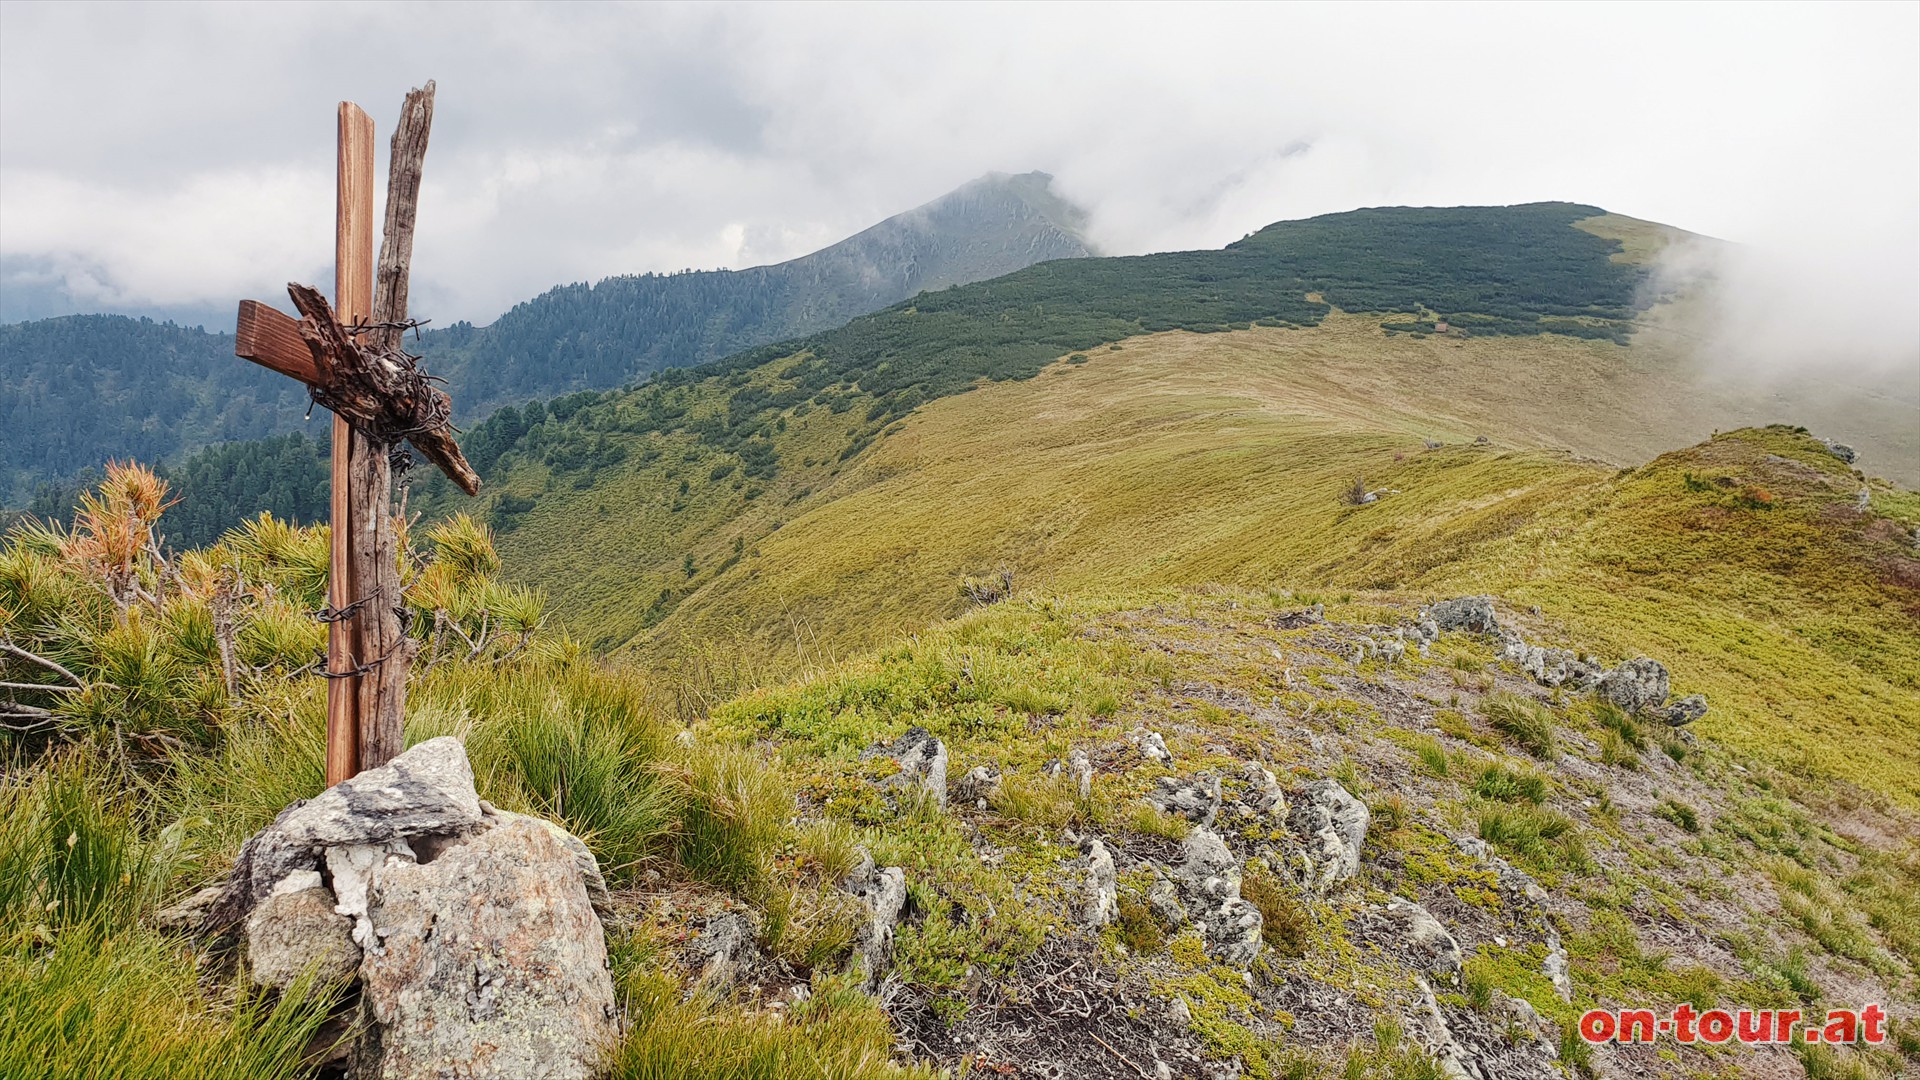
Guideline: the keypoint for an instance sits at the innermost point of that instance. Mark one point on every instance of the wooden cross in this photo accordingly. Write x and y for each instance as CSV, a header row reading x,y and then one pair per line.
x,y
348,355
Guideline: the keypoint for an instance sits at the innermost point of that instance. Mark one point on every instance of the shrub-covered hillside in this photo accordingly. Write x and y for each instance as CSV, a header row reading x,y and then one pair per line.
x,y
84,390
155,710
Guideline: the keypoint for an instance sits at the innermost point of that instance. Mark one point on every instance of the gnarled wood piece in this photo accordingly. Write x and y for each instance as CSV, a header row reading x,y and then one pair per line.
x,y
379,395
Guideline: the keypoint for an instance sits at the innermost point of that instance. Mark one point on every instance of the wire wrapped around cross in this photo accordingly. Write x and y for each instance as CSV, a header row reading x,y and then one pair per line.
x,y
381,390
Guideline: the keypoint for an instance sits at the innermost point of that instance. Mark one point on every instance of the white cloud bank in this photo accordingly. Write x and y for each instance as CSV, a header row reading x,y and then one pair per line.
x,y
173,156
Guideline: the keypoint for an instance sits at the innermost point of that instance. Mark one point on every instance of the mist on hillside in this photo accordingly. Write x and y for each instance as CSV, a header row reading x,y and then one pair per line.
x,y
1805,332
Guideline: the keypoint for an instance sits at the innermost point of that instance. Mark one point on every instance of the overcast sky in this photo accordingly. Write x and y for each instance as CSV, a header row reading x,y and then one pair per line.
x,y
176,157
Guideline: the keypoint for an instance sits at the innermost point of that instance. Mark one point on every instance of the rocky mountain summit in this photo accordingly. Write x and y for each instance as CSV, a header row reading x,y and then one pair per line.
x,y
469,934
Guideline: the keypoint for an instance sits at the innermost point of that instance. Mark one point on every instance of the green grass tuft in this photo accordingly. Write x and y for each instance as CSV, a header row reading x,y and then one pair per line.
x,y
1523,721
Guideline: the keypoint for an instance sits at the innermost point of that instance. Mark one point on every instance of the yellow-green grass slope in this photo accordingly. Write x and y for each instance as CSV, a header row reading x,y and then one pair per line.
x,y
1185,459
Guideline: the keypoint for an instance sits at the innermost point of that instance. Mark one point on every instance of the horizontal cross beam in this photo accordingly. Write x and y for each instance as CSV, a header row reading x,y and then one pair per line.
x,y
370,391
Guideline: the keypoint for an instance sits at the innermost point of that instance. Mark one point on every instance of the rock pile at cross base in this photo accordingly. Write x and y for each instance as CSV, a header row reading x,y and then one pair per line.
x,y
470,933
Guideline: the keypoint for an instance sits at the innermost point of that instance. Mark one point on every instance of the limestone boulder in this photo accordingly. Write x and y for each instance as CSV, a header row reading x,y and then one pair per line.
x,y
1640,683
490,962
1332,826
1473,614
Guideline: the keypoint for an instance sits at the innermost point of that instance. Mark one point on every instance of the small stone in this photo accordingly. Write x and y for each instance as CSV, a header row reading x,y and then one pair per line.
x,y
1682,712
1233,932
1436,950
1294,620
289,933
1208,868
298,881
976,787
1473,614
1102,887
923,764
1556,967
1153,747
1196,800
1640,683
1260,793
884,894
1164,898
428,789
1080,767
188,915
1333,826
730,945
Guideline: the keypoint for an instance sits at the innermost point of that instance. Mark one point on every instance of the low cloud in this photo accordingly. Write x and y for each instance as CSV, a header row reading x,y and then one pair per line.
x,y
161,157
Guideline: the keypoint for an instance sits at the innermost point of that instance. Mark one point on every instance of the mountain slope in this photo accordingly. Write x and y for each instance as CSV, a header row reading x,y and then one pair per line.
x,y
591,337
86,389
790,506
1133,471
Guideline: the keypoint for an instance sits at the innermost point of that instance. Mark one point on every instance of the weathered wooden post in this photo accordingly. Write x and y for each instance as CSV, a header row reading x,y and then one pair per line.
x,y
350,358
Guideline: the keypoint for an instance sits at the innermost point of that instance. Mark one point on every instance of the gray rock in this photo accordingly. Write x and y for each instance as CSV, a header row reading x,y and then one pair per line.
x,y
1840,450
1556,968
1473,614
923,765
1389,649
1164,898
1332,826
1080,767
1551,667
976,787
1682,712
1294,620
1208,869
1423,935
1231,932
1197,800
884,895
1474,846
351,869
729,946
1428,1028
1209,878
1260,794
1523,1017
189,915
1638,684
428,789
492,964
1102,887
1153,747
265,860
295,931
1515,883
